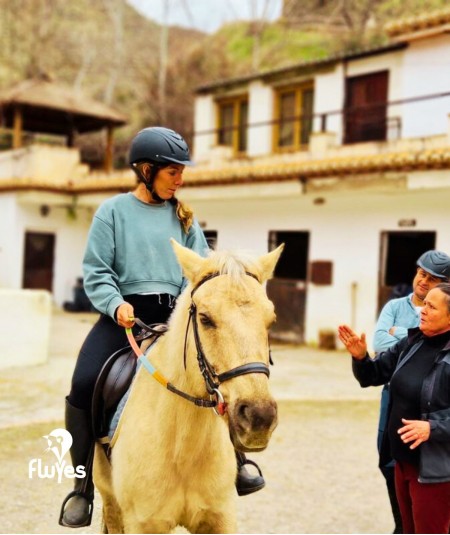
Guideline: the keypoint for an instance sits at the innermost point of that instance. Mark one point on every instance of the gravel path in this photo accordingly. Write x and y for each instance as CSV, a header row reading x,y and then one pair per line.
x,y
320,467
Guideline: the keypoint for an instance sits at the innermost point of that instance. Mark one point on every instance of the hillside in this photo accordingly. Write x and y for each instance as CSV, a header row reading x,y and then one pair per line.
x,y
112,53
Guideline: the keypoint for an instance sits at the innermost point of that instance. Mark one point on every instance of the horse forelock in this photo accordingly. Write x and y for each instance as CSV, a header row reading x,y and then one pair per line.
x,y
231,263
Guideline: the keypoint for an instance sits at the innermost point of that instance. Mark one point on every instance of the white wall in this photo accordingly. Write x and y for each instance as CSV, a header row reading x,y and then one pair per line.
x,y
328,97
260,111
346,230
70,239
426,70
10,246
204,120
25,317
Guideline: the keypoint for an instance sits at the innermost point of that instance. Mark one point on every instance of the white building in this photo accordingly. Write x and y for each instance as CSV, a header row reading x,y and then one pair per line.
x,y
346,160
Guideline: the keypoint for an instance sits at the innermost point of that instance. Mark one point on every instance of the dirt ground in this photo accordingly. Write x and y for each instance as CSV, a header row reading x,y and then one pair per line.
x,y
320,467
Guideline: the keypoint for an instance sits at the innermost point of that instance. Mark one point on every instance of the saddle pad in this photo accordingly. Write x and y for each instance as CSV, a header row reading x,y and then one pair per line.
x,y
113,424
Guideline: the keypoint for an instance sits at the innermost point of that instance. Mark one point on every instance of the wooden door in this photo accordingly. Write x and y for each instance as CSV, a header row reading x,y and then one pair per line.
x,y
287,289
38,261
366,107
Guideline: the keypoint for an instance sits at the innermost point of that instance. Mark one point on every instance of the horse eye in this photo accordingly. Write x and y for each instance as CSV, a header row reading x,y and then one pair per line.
x,y
206,321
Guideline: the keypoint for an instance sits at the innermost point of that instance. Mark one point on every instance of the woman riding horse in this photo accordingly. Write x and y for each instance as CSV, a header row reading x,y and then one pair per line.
x,y
130,270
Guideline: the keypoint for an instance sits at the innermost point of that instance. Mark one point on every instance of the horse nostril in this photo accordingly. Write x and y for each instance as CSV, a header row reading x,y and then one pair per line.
x,y
243,411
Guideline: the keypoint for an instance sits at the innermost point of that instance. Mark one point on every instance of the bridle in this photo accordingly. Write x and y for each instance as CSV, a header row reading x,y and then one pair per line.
x,y
211,378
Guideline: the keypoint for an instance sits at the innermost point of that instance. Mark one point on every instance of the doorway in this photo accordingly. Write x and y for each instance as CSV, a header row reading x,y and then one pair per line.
x,y
398,256
287,289
39,257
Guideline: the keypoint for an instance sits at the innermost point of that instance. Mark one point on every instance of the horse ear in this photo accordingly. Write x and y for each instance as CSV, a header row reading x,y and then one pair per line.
x,y
190,262
268,262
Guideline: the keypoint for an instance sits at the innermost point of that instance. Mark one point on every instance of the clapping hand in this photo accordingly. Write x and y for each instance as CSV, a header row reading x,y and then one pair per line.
x,y
355,345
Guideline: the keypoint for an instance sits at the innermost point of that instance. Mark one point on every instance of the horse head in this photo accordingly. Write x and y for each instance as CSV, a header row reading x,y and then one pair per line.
x,y
227,338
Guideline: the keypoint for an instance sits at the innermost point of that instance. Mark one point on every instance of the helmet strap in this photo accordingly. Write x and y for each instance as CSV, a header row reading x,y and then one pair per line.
x,y
149,181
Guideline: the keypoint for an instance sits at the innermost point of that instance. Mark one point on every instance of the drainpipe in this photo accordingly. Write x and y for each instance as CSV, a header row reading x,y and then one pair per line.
x,y
353,303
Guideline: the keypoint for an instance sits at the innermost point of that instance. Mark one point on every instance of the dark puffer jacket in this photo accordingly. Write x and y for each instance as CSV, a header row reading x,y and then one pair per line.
x,y
434,400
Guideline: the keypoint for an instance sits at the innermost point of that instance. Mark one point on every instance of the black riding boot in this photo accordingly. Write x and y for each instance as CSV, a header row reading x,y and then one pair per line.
x,y
76,510
245,482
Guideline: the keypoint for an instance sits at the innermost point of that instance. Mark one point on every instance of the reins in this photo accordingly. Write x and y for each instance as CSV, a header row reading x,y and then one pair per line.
x,y
211,378
200,402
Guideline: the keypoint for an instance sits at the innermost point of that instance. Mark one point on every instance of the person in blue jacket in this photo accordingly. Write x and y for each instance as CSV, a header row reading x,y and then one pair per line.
x,y
397,316
417,433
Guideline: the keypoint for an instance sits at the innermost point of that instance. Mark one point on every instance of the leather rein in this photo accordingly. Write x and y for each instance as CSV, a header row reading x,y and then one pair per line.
x,y
211,378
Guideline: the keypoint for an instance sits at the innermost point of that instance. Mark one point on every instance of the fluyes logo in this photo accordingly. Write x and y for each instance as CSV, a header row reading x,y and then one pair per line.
x,y
59,442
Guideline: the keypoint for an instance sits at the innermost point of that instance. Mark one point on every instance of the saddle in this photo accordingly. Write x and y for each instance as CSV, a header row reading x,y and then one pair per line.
x,y
115,379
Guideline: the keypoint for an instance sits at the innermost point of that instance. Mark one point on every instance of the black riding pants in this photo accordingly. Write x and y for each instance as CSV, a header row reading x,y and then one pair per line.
x,y
106,337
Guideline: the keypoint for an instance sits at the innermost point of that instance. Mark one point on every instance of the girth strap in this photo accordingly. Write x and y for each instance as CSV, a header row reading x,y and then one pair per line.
x,y
252,367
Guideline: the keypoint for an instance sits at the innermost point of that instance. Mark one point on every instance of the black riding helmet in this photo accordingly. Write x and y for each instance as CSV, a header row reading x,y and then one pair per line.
x,y
159,145
436,263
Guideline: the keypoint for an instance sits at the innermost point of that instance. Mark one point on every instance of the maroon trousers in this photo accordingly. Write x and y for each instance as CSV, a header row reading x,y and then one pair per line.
x,y
425,507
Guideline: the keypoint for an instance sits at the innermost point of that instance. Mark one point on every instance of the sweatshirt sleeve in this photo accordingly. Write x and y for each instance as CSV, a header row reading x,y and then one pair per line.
x,y
100,279
196,240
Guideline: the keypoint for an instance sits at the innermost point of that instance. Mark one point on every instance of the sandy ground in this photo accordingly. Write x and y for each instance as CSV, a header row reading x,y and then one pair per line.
x,y
320,467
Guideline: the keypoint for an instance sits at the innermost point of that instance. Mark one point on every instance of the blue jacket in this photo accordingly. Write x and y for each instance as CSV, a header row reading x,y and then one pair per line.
x,y
400,313
434,400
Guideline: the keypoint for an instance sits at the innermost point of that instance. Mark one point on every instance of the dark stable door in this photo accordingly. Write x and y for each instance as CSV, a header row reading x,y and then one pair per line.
x,y
38,261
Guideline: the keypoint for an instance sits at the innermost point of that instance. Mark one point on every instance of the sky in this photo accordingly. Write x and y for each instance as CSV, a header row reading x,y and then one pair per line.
x,y
206,15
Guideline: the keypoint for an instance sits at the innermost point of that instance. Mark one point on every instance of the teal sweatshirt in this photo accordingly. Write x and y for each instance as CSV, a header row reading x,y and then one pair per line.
x,y
128,251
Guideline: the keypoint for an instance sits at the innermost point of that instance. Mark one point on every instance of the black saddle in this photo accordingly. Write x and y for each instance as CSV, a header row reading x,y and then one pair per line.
x,y
112,383
115,379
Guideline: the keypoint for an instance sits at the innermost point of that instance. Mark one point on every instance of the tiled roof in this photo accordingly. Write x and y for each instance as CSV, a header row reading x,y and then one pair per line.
x,y
419,23
253,172
316,63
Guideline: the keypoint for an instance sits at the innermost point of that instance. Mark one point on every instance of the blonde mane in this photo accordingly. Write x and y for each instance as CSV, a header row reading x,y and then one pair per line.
x,y
232,263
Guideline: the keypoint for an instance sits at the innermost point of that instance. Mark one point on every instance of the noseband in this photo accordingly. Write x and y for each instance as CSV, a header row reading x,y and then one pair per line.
x,y
212,379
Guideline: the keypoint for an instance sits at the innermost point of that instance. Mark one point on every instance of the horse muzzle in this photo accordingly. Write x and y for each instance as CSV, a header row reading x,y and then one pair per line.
x,y
251,423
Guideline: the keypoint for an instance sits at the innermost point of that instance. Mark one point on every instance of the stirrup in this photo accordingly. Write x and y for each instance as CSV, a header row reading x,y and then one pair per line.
x,y
90,500
258,482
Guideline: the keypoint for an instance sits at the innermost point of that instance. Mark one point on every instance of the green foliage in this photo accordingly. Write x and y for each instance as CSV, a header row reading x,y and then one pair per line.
x,y
110,52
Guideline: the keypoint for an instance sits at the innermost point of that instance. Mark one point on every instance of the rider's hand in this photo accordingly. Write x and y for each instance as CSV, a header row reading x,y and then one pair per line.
x,y
125,315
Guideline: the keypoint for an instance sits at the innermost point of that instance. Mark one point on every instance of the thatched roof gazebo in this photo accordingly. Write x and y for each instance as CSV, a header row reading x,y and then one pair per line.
x,y
41,105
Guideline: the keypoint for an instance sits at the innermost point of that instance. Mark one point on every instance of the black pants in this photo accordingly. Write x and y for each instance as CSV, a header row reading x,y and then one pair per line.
x,y
106,337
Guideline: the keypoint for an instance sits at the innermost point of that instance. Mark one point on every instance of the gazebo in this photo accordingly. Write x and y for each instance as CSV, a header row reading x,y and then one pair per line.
x,y
41,105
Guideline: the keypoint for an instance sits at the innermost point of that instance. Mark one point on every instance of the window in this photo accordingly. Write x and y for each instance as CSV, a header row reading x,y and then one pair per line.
x,y
232,123
293,113
366,107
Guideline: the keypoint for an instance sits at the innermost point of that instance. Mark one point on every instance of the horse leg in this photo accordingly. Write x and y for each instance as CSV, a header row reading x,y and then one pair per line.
x,y
112,518
216,521
132,525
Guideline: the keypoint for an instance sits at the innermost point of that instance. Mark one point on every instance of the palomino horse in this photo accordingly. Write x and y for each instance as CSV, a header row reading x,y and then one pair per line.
x,y
172,460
